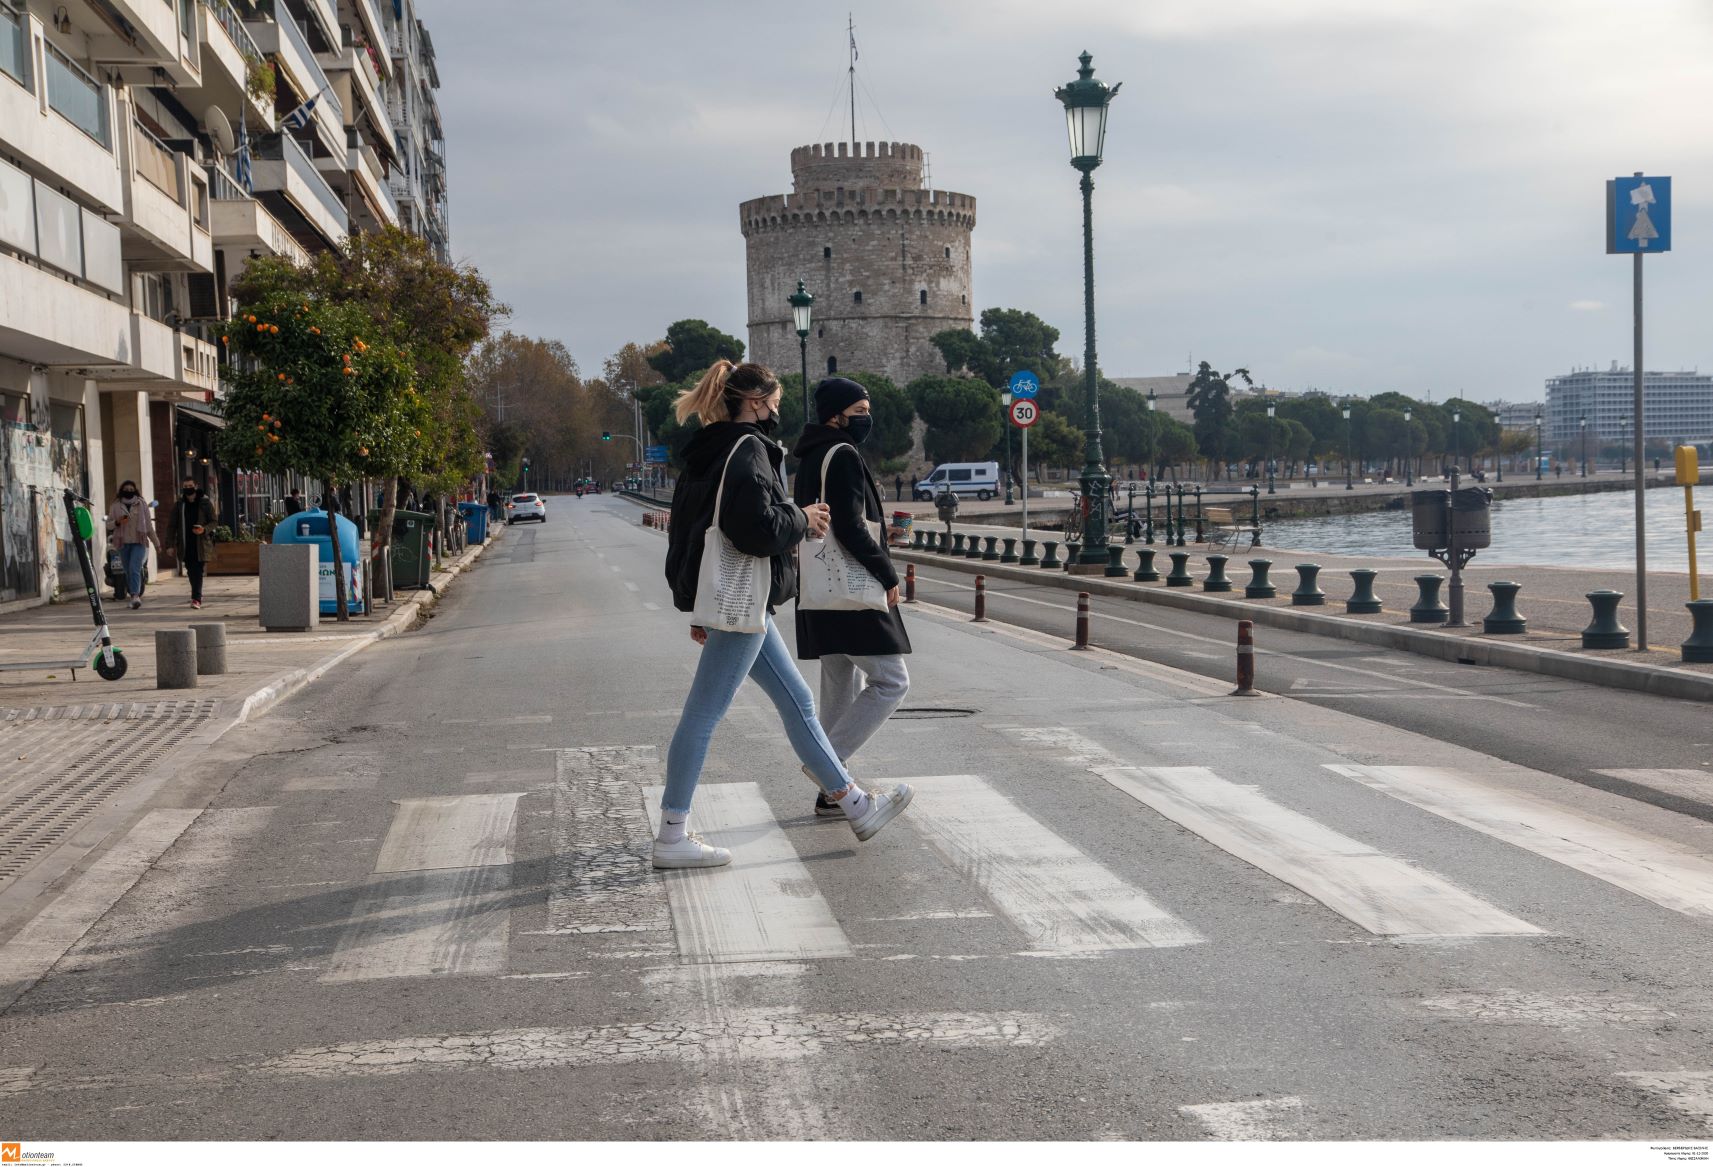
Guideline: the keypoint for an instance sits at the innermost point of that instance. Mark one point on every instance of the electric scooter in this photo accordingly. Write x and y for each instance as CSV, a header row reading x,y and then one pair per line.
x,y
108,661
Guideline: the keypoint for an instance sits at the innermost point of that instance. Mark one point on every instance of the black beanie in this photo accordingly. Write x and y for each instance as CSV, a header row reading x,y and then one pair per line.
x,y
835,395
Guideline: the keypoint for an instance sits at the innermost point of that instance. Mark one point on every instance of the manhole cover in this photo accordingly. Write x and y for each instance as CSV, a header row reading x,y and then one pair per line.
x,y
924,714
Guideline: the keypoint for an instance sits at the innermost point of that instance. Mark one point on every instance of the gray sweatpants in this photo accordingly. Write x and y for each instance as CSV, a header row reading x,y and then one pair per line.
x,y
858,694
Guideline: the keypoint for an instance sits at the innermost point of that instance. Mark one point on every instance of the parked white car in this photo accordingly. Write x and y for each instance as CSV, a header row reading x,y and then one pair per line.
x,y
525,506
980,479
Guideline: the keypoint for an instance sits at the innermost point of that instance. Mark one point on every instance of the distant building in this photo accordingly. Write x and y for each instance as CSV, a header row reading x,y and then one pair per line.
x,y
1516,415
1678,406
1171,394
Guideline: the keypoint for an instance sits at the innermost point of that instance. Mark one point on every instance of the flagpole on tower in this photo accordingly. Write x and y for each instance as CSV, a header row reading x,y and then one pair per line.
x,y
851,27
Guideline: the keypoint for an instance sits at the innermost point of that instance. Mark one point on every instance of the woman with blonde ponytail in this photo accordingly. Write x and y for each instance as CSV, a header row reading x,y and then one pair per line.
x,y
738,407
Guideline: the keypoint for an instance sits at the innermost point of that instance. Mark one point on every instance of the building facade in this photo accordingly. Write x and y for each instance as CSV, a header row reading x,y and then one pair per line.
x,y
887,260
1677,406
124,217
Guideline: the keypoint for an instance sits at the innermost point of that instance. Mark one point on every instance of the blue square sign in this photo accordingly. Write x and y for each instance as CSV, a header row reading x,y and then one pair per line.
x,y
1638,215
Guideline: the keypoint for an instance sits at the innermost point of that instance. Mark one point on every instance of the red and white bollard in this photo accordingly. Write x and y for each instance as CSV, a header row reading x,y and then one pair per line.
x,y
980,600
1245,660
1082,621
910,583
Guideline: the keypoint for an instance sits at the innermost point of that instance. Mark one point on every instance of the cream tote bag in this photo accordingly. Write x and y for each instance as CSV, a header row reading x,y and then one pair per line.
x,y
832,579
731,587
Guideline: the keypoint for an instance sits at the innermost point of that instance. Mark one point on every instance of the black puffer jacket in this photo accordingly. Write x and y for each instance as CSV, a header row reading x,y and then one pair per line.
x,y
756,513
852,496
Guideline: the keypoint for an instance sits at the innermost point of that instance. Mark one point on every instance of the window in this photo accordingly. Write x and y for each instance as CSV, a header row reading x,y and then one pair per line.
x,y
923,296
832,365
826,253
14,407
960,475
948,253
856,297
820,332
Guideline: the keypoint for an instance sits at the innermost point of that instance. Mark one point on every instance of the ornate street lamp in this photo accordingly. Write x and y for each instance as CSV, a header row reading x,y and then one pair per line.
x,y
1409,451
1456,436
1148,494
1537,447
1005,420
1270,408
1085,101
1348,485
1583,423
801,304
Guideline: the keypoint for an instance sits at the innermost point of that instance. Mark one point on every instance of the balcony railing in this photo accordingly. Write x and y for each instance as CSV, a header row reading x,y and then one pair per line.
x,y
318,79
15,48
77,97
223,188
228,18
286,147
157,163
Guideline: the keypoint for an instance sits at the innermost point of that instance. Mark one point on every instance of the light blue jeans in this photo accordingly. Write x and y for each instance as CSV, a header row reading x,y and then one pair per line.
x,y
135,556
727,659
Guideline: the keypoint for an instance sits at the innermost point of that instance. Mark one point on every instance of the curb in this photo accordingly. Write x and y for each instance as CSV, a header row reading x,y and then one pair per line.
x,y
1614,674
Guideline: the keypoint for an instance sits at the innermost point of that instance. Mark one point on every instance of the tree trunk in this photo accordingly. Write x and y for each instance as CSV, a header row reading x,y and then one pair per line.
x,y
384,535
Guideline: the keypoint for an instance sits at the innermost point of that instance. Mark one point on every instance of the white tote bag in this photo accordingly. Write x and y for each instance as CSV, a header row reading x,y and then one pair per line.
x,y
731,587
832,579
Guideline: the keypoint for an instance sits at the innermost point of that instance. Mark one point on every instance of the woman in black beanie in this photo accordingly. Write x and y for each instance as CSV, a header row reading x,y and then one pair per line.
x,y
863,678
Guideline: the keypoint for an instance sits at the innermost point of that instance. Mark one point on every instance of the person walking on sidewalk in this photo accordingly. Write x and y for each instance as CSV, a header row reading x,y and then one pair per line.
x,y
863,678
898,488
192,528
132,528
738,406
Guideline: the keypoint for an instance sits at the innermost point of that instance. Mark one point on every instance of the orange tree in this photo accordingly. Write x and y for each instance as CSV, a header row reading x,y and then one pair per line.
x,y
306,392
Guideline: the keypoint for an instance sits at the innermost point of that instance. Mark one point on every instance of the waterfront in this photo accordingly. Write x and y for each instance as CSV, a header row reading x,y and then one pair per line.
x,y
1586,530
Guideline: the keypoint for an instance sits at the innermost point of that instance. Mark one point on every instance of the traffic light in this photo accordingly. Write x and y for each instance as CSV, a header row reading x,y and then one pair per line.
x,y
606,436
526,463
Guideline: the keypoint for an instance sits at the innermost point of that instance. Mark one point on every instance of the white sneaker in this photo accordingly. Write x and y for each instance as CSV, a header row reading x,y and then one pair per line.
x,y
690,851
136,602
883,807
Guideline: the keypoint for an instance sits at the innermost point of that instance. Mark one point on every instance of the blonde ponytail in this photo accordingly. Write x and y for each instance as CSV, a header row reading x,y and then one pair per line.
x,y
710,399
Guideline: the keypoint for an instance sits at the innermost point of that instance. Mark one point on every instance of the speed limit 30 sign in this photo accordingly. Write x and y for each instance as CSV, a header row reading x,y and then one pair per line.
x,y
1025,413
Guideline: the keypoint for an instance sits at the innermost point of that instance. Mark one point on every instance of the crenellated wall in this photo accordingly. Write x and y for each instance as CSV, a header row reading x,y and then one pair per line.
x,y
858,221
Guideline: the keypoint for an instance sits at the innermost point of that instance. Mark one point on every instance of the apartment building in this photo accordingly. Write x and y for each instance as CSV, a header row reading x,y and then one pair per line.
x,y
1677,406
125,214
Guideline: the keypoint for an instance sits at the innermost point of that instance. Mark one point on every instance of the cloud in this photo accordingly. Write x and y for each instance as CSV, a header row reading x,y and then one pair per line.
x,y
1587,305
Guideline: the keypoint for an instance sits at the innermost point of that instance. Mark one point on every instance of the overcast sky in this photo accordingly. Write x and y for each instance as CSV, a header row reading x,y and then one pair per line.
x,y
1357,195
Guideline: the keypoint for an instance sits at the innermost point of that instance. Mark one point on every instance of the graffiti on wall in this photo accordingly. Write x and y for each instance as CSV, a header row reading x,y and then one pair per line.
x,y
35,541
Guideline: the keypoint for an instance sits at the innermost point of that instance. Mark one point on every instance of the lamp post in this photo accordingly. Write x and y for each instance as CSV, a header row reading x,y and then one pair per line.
x,y
1537,447
1005,401
1583,423
1624,444
1148,494
1086,101
1348,485
802,304
1270,408
1409,450
1456,437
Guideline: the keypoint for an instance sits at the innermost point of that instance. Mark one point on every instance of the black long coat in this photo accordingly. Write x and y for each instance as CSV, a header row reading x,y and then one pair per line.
x,y
852,496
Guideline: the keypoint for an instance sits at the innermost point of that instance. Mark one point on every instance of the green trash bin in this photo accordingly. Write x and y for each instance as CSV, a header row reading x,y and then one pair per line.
x,y
412,531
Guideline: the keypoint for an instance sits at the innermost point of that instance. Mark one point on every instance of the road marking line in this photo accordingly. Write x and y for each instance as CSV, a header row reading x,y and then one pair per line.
x,y
1655,869
631,584
1574,1011
333,782
600,877
1689,783
765,905
1375,891
1687,1091
453,831
1249,1121
1061,900
652,607
28,956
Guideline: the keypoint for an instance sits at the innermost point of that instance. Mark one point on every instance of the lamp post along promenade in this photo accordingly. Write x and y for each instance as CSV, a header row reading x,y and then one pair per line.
x,y
802,306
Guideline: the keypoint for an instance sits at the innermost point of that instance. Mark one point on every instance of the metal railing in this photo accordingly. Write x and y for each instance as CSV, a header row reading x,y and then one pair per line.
x,y
15,48
77,97
157,163
223,188
227,17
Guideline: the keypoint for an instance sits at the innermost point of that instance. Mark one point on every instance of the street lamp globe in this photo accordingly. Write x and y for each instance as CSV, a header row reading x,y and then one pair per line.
x,y
1086,101
802,304
1409,451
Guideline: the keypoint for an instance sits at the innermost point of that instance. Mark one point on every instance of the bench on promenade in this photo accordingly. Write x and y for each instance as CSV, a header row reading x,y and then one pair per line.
x,y
1224,529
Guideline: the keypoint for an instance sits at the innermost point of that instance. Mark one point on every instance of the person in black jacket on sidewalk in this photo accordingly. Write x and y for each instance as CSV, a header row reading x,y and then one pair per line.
x,y
863,678
738,406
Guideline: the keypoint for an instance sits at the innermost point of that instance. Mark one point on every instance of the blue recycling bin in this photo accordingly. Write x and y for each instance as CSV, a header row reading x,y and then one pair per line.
x,y
311,527
475,519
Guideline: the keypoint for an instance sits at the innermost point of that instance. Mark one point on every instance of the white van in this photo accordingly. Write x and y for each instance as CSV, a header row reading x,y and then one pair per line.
x,y
980,479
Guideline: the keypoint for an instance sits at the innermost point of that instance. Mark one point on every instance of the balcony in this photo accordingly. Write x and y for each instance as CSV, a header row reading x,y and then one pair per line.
x,y
285,42
245,225
156,24
162,209
371,181
48,140
298,195
358,86
228,50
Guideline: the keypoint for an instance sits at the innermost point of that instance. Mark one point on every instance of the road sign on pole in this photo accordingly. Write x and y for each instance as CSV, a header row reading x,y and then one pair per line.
x,y
1025,413
656,454
1023,383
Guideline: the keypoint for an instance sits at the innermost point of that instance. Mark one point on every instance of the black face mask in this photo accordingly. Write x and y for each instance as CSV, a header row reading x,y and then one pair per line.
x,y
191,493
127,495
858,426
768,424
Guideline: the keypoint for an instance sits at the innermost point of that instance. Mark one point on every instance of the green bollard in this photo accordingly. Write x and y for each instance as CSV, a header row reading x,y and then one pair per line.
x,y
1179,576
1030,559
1216,580
958,543
1363,601
1605,631
990,552
1308,593
973,550
1050,560
1259,586
1146,572
1427,609
1503,620
1115,562
916,540
1010,555
1698,649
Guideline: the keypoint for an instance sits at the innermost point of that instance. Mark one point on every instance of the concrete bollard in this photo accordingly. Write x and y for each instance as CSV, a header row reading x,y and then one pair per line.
x,y
175,658
1029,559
1216,580
1115,562
916,540
909,583
1245,660
1308,593
1010,553
980,600
1503,620
1698,649
1605,631
1082,621
210,649
990,549
1427,609
958,543
1146,572
1179,576
1050,560
1259,586
1363,601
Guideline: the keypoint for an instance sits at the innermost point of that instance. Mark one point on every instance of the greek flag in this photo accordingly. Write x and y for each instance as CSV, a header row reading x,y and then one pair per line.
x,y
299,117
241,164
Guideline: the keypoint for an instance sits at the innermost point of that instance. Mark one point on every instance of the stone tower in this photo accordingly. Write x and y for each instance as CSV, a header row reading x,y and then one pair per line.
x,y
887,261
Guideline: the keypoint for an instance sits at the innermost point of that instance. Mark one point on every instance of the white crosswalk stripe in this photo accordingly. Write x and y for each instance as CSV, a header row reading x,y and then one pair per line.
x,y
1687,783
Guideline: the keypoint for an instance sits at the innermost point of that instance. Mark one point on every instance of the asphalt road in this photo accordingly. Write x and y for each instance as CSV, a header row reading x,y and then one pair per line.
x,y
1123,906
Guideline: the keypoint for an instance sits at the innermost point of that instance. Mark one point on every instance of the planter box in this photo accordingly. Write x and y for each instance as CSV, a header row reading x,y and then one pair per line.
x,y
236,559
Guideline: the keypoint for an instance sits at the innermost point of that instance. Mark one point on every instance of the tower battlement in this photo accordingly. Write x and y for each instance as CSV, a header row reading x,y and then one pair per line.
x,y
864,164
